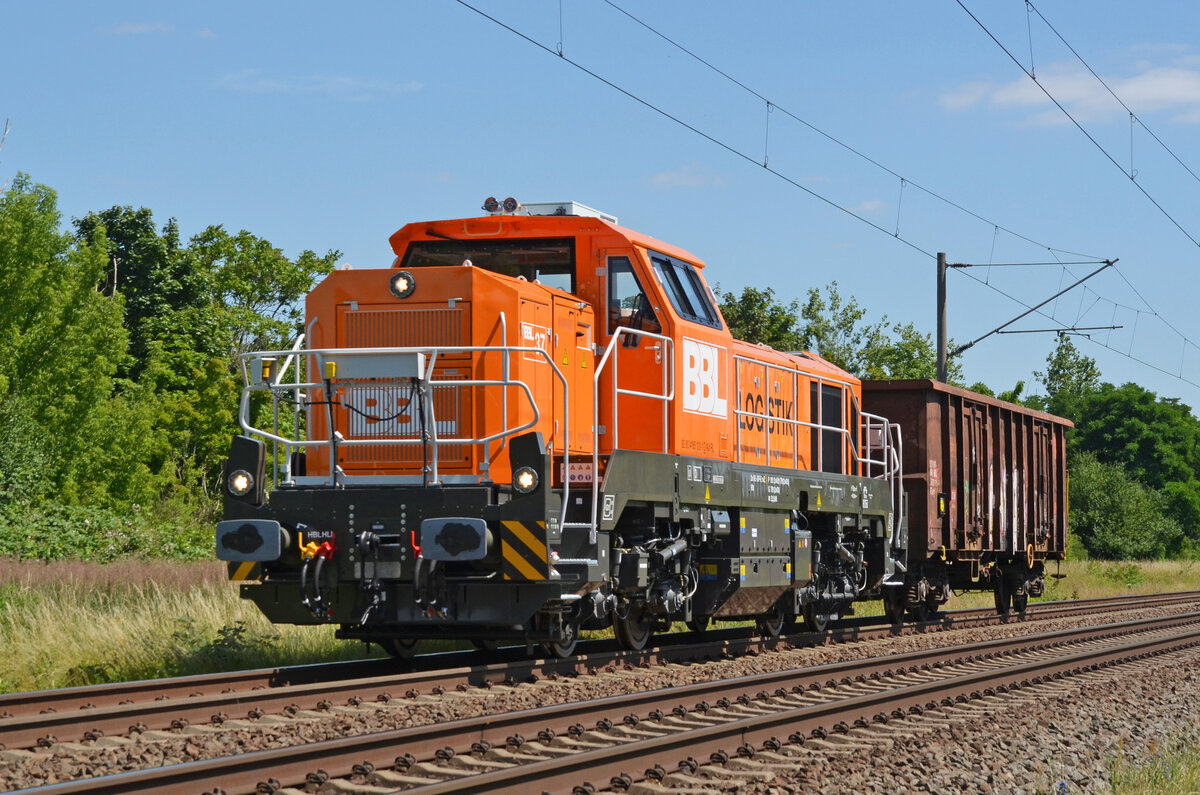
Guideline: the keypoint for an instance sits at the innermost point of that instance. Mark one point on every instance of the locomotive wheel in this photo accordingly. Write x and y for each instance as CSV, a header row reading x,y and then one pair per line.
x,y
565,646
698,623
770,624
634,630
816,622
1001,592
400,648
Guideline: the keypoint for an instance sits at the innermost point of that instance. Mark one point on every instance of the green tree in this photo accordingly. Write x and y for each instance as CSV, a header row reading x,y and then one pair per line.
x,y
150,271
61,340
835,329
259,289
756,316
1156,440
906,353
1069,377
838,330
1115,516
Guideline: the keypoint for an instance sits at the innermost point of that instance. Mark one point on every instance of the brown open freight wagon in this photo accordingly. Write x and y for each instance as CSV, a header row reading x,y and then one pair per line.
x,y
986,490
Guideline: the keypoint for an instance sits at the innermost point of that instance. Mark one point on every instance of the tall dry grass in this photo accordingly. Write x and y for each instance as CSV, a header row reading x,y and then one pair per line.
x,y
66,624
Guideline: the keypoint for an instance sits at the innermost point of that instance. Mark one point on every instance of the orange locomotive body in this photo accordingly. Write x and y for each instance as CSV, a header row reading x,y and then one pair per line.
x,y
536,421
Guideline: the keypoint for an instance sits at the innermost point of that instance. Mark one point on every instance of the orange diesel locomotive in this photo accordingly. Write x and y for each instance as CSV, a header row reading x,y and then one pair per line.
x,y
536,421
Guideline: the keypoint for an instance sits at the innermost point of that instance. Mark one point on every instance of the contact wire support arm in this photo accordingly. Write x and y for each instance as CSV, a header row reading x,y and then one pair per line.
x,y
961,348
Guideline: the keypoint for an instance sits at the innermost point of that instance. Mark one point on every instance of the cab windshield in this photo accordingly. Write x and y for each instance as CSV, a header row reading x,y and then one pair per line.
x,y
548,261
685,289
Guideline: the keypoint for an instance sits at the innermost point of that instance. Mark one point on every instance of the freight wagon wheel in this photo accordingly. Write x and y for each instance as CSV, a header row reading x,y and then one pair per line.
x,y
893,605
400,648
816,622
1020,601
634,630
485,644
921,612
698,623
1001,592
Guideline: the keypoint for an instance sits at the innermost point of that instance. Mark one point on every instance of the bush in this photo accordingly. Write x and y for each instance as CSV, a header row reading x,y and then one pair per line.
x,y
1118,518
51,531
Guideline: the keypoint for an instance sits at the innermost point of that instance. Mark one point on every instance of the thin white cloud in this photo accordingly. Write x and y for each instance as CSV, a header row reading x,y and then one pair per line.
x,y
965,96
344,87
695,175
868,206
206,33
138,29
1172,89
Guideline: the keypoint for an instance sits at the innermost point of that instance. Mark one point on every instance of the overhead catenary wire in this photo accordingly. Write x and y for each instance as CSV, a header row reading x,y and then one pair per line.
x,y
1132,116
904,180
831,203
832,138
667,115
1080,127
1131,173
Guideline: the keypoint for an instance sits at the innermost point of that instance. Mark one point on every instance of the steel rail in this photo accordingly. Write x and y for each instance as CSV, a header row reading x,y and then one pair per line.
x,y
566,771
338,757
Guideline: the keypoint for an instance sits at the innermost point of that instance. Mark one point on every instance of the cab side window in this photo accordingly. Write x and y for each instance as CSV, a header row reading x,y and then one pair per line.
x,y
628,304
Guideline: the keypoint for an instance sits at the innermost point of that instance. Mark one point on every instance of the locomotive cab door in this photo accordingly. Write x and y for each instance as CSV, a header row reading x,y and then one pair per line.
x,y
633,411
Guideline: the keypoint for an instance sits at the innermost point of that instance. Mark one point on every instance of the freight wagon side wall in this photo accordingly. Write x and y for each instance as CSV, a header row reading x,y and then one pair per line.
x,y
984,478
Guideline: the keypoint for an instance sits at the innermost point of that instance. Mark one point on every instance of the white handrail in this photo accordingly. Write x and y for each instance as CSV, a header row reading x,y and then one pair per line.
x,y
610,352
425,382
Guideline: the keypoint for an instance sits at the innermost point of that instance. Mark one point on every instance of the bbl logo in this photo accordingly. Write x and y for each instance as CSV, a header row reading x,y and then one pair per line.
x,y
702,380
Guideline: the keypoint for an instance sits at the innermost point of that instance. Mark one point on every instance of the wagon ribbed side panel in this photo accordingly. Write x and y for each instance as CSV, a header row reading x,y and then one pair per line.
x,y
984,478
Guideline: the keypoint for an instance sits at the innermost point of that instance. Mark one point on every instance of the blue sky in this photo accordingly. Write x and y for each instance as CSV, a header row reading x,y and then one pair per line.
x,y
321,126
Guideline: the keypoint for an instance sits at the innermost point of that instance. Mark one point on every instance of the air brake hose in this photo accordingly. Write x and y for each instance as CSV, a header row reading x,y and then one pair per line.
x,y
317,601
304,584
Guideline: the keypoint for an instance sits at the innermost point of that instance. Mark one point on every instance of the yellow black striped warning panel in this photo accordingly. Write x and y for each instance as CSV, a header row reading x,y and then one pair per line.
x,y
245,570
523,545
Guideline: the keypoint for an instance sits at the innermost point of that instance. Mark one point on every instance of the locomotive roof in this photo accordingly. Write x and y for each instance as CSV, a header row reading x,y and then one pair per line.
x,y
520,226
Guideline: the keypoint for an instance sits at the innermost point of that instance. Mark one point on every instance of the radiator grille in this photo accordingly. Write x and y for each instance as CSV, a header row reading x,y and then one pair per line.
x,y
390,328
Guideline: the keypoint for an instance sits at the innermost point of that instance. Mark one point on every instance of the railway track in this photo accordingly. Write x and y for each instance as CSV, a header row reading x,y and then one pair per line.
x,y
319,699
559,747
30,719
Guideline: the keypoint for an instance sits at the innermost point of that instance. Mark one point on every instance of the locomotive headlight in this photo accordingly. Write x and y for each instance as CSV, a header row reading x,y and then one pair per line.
x,y
525,480
402,284
240,483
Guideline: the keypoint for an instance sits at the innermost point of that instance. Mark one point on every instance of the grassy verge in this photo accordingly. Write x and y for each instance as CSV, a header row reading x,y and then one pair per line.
x,y
64,624
1172,767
